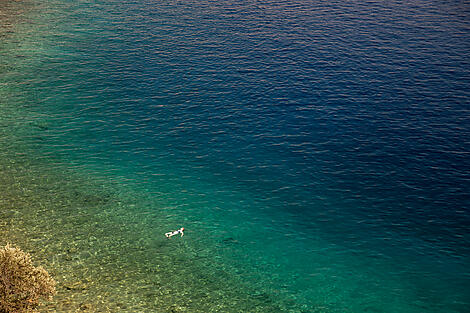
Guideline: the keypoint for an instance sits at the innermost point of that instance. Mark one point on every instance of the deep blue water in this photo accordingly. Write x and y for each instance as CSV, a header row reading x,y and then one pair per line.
x,y
330,139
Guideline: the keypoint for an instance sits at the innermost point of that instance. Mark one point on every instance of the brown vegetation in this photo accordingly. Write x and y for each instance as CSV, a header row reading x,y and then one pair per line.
x,y
21,283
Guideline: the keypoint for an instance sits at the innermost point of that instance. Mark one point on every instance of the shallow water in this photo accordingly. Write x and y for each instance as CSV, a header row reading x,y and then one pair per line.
x,y
316,153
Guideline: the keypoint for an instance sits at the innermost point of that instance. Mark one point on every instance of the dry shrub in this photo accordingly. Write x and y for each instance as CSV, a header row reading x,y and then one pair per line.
x,y
21,283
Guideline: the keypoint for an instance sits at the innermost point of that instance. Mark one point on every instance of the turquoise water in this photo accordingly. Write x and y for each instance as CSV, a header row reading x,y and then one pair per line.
x,y
316,153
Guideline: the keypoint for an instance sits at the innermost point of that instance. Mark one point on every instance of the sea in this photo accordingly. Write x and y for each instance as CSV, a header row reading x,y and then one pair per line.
x,y
317,153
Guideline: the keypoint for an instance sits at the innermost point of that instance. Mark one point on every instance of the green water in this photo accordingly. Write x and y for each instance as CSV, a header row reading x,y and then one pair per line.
x,y
101,240
102,243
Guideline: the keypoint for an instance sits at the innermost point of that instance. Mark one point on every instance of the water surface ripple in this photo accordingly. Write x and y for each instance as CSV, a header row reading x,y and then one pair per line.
x,y
317,153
